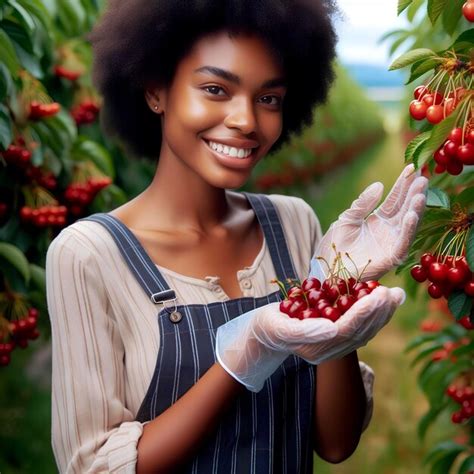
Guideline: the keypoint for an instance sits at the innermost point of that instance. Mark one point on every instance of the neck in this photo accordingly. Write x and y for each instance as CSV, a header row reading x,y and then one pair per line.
x,y
179,199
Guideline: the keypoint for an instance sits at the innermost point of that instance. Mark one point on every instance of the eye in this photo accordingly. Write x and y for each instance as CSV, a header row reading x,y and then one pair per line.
x,y
271,100
214,90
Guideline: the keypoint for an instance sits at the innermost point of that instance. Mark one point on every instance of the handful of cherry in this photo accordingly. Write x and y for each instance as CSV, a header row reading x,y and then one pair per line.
x,y
328,299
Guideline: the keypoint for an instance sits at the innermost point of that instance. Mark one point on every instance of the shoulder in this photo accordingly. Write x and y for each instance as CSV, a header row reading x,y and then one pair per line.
x,y
296,213
83,240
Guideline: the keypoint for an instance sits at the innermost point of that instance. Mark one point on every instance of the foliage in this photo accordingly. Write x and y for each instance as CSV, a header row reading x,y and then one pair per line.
x,y
441,45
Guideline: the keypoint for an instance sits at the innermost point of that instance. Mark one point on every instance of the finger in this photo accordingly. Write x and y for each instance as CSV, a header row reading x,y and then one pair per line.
x,y
418,187
395,198
398,295
306,331
407,233
364,204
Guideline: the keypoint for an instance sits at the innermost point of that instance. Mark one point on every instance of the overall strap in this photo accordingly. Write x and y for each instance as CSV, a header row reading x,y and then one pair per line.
x,y
139,262
269,219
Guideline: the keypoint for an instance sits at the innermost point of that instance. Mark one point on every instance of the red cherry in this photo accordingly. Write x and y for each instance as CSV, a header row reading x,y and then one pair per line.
x,y
440,157
372,284
439,169
435,291
469,288
433,99
427,259
419,92
361,293
361,285
457,275
454,167
434,113
466,322
322,303
468,11
296,308
285,306
419,273
331,313
309,313
295,293
465,154
4,360
332,293
313,297
456,135
418,109
438,272
470,136
450,148
456,417
344,302
311,283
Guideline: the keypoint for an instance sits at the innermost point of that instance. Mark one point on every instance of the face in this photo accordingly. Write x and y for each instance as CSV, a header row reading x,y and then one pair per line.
x,y
223,110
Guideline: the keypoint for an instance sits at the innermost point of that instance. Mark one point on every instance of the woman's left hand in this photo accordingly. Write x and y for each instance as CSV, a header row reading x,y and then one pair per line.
x,y
382,236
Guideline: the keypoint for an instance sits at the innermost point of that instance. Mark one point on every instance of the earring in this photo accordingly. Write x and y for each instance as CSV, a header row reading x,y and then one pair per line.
x,y
155,107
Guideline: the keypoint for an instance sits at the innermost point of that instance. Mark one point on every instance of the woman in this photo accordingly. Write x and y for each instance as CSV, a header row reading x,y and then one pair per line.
x,y
169,351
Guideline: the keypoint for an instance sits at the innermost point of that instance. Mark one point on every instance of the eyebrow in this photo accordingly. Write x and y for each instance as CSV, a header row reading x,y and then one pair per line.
x,y
231,77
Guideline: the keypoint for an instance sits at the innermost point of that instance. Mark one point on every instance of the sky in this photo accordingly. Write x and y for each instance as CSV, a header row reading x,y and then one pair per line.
x,y
364,22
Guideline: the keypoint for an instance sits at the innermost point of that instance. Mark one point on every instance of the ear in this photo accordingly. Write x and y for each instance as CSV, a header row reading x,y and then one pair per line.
x,y
155,98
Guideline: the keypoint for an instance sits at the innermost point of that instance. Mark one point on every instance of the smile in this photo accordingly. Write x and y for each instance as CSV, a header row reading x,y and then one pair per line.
x,y
230,150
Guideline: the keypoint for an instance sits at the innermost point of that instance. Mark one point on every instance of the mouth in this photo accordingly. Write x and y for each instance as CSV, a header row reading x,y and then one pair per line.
x,y
230,151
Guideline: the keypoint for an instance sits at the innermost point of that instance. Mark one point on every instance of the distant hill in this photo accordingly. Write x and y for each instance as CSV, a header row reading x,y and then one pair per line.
x,y
369,75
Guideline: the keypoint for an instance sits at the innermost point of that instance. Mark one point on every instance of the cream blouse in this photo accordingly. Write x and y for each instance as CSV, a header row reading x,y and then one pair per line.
x,y
105,335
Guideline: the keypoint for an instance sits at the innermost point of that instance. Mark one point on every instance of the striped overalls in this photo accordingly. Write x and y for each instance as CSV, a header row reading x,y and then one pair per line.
x,y
265,432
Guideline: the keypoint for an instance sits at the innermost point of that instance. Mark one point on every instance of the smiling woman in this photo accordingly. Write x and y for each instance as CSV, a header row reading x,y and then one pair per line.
x,y
170,353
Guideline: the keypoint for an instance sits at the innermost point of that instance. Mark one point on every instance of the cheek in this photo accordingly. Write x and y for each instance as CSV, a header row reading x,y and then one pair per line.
x,y
271,126
191,112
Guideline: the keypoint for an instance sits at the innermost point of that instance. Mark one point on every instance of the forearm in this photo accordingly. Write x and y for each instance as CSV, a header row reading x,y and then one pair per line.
x,y
340,404
173,437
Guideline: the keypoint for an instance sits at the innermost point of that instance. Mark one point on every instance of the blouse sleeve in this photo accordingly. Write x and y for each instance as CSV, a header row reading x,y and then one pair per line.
x,y
92,429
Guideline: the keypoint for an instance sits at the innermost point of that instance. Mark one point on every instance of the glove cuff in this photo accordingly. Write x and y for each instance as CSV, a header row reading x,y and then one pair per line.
x,y
243,356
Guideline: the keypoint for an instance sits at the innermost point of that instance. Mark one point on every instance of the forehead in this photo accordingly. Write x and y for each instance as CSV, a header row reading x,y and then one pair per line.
x,y
246,55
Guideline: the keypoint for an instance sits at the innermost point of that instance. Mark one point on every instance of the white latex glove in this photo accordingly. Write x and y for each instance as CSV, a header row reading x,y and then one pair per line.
x,y
252,346
357,326
384,235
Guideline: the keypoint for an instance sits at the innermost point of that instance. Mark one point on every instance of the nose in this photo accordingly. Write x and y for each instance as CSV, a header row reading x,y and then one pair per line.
x,y
241,115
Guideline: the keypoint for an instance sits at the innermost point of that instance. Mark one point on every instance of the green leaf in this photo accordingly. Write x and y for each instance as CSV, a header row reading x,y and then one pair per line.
x,y
459,304
87,149
426,352
428,419
16,258
451,15
443,464
466,197
414,145
38,277
6,83
402,4
22,15
442,449
422,67
467,465
465,37
470,248
6,133
438,136
8,54
435,8
437,198
72,16
412,56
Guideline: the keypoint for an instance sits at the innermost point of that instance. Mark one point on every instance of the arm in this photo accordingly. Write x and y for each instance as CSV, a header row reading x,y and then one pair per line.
x,y
92,428
340,407
174,435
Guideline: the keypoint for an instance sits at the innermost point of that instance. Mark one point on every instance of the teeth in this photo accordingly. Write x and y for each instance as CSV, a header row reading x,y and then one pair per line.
x,y
230,150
